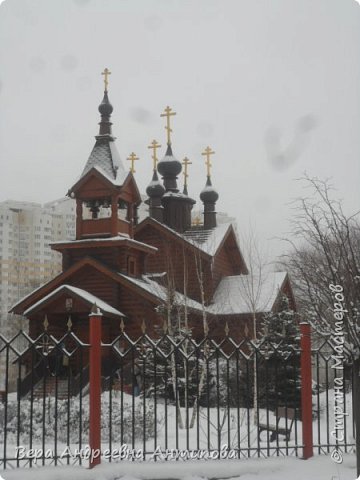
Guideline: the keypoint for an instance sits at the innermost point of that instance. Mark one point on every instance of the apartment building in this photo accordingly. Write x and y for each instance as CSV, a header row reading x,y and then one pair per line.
x,y
26,259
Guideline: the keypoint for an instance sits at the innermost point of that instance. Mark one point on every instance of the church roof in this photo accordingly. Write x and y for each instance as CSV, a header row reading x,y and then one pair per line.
x,y
210,240
79,292
151,286
233,294
106,159
118,240
230,297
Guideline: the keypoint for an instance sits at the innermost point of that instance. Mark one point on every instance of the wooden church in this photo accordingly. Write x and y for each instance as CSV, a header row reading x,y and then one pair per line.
x,y
137,273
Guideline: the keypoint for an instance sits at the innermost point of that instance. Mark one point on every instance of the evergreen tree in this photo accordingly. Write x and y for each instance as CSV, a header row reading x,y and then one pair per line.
x,y
279,352
171,363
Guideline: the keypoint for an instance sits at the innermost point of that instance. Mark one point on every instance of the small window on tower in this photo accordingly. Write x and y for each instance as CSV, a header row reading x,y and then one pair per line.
x,y
131,266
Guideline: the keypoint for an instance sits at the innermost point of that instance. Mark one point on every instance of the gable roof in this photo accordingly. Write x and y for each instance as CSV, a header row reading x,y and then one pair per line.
x,y
101,175
25,302
229,298
210,241
79,292
154,288
233,294
207,241
38,294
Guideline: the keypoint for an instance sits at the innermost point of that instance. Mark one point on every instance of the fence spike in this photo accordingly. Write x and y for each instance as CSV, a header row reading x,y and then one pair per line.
x,y
46,323
122,325
143,327
246,331
165,326
69,323
206,328
226,329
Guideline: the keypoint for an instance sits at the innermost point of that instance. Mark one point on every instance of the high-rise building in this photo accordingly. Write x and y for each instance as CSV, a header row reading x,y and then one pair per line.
x,y
26,259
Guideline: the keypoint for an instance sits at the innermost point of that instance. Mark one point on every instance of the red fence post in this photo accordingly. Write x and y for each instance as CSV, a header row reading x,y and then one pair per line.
x,y
306,390
95,386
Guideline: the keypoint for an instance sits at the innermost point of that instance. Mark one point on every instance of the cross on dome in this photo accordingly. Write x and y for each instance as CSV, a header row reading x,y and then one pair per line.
x,y
106,74
208,152
186,162
132,158
168,113
154,146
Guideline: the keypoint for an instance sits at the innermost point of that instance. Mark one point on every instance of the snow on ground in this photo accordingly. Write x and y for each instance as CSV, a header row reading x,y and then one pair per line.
x,y
283,468
279,468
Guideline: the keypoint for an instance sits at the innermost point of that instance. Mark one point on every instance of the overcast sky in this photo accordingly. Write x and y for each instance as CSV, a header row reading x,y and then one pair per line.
x,y
273,86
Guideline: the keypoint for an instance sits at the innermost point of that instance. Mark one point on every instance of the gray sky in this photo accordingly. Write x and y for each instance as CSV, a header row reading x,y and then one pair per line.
x,y
272,86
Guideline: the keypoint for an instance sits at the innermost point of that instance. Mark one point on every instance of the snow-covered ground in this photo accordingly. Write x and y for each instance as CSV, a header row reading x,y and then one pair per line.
x,y
283,468
237,427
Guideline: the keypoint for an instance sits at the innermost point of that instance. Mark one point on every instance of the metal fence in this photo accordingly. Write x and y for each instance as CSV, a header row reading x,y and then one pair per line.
x,y
165,399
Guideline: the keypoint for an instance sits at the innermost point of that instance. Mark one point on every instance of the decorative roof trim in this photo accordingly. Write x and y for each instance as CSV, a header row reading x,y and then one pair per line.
x,y
78,292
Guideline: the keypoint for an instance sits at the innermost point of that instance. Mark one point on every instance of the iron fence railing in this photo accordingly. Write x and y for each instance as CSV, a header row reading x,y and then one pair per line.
x,y
164,398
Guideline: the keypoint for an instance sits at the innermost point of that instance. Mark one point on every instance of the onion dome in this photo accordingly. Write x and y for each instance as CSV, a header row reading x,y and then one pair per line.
x,y
208,193
155,188
104,155
105,107
169,166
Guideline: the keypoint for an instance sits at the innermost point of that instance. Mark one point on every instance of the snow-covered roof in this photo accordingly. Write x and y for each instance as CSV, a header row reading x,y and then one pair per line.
x,y
152,287
240,294
25,297
106,159
178,195
88,297
118,238
231,296
207,240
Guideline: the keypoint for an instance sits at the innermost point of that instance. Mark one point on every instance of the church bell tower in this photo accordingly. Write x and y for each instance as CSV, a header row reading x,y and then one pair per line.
x,y
106,195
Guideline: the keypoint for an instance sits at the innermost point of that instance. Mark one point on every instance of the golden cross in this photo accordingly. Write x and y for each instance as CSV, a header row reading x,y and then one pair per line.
x,y
154,146
168,113
132,158
186,162
106,74
207,152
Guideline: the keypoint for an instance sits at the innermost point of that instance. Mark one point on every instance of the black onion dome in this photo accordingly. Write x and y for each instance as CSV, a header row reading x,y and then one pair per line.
x,y
155,189
208,193
105,107
169,166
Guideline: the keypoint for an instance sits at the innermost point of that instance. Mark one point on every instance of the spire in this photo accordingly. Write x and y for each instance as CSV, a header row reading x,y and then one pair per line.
x,y
169,167
105,107
168,113
155,190
154,146
104,154
101,183
186,162
209,195
207,153
177,206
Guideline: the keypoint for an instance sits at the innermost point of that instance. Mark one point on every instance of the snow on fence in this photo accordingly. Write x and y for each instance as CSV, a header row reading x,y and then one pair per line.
x,y
165,398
